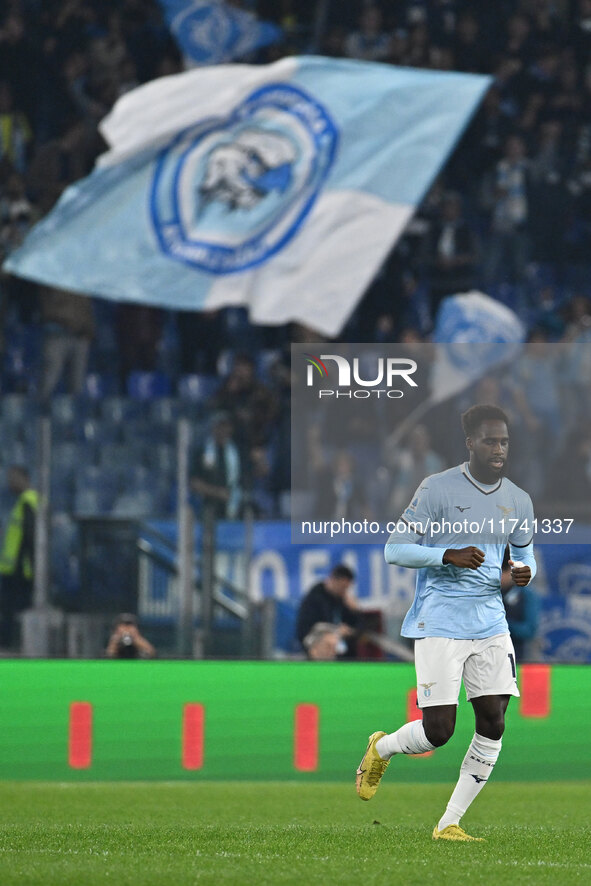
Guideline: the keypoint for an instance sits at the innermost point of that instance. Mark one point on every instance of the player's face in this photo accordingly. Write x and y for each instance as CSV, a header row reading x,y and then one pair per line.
x,y
489,448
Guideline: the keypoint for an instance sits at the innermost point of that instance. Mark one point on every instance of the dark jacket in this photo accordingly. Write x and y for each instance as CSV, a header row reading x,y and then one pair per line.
x,y
320,605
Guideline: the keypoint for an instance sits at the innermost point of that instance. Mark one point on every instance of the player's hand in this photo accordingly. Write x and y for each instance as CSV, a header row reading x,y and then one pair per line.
x,y
465,558
520,574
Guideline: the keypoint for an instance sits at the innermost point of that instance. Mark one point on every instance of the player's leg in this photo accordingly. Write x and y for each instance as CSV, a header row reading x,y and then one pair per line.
x,y
434,657
489,677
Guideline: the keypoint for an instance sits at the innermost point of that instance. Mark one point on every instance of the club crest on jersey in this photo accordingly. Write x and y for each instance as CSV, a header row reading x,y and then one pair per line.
x,y
228,193
506,511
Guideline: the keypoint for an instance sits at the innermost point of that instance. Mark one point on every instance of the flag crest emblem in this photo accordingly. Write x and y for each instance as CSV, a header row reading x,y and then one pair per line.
x,y
227,194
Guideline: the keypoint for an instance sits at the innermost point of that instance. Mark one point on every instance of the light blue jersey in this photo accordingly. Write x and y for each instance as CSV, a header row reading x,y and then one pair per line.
x,y
453,510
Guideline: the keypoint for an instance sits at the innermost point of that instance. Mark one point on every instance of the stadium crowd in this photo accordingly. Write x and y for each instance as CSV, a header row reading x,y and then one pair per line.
x,y
510,214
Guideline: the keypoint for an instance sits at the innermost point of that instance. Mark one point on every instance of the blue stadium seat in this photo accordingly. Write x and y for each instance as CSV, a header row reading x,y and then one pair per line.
x,y
105,479
122,456
264,361
196,388
18,453
91,503
61,494
162,460
67,457
147,432
121,409
146,386
17,409
98,432
98,385
165,411
138,477
135,505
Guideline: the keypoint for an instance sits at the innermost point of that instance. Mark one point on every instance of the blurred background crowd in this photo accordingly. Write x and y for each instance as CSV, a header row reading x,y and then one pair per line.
x,y
510,215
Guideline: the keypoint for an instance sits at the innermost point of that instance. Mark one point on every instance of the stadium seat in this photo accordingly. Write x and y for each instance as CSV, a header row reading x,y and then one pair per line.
x,y
66,459
138,477
61,494
198,388
99,385
121,409
17,409
148,385
165,411
122,456
265,360
135,505
98,432
162,460
90,503
147,432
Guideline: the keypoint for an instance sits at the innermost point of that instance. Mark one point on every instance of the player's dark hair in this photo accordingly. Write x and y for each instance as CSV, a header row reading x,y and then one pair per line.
x,y
342,571
472,418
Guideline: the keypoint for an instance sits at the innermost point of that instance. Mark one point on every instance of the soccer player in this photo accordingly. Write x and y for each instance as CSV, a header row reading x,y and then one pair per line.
x,y
457,618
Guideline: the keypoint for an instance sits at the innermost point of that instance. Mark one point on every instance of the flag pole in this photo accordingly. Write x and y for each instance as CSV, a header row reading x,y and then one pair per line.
x,y
411,420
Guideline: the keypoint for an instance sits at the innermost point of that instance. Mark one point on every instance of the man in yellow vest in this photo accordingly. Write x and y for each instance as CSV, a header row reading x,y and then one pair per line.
x,y
16,556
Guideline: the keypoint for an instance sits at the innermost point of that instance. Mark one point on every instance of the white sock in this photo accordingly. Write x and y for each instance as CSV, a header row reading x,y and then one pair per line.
x,y
409,739
474,773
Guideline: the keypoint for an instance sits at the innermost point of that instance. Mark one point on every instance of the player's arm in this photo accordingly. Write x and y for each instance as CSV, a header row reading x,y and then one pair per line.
x,y
521,549
523,564
416,556
404,546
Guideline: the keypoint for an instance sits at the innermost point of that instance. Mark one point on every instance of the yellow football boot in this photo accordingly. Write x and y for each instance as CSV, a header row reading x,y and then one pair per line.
x,y
371,769
455,832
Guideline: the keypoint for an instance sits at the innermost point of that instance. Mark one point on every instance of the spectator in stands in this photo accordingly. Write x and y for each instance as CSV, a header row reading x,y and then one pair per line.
x,y
200,338
370,42
15,131
549,200
340,494
452,252
68,324
409,465
327,617
536,392
17,554
16,214
126,641
216,475
568,482
251,405
139,330
59,162
507,250
259,493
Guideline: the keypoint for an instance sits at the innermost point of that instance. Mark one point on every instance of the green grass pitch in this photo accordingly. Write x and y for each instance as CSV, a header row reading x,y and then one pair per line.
x,y
164,834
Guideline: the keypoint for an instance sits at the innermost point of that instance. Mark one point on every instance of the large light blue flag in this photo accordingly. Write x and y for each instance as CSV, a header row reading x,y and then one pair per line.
x,y
280,187
211,32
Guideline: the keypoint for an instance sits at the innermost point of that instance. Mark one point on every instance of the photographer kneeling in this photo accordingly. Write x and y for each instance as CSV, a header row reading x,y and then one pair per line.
x,y
126,640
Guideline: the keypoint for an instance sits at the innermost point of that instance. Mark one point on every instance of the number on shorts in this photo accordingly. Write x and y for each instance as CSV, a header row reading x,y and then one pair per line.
x,y
512,660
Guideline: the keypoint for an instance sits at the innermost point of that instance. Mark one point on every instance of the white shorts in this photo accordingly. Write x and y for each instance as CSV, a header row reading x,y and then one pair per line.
x,y
487,667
